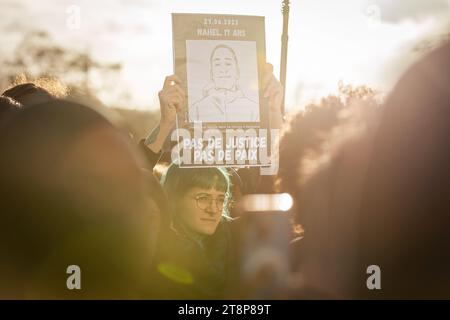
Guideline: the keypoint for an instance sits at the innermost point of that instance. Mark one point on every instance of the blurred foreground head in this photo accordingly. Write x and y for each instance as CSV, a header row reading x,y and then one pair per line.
x,y
382,197
406,201
73,194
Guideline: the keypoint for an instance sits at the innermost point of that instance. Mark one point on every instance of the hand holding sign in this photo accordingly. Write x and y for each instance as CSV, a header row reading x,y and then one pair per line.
x,y
273,91
172,99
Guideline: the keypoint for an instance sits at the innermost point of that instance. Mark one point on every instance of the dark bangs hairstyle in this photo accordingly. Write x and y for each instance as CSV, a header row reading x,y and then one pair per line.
x,y
178,181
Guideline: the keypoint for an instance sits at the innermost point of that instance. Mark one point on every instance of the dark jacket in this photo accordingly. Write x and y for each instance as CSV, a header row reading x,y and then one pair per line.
x,y
185,268
191,269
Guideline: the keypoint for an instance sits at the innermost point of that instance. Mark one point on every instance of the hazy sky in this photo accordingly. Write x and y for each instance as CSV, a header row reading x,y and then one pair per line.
x,y
357,41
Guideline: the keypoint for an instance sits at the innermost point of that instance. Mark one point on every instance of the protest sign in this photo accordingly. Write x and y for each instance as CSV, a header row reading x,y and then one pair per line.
x,y
220,59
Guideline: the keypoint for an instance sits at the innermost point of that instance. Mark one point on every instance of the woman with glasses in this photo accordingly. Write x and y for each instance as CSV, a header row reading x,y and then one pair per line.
x,y
194,256
198,198
194,251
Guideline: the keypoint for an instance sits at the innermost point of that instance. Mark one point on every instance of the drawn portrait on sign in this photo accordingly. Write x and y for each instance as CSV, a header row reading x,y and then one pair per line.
x,y
224,86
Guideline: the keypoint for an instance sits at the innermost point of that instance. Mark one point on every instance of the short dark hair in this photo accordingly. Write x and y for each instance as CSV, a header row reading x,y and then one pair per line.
x,y
29,94
178,181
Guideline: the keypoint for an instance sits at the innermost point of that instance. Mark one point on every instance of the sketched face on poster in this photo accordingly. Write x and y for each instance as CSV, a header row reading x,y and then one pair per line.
x,y
222,81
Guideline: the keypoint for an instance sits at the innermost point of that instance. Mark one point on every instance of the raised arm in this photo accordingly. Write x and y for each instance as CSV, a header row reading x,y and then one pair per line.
x,y
172,98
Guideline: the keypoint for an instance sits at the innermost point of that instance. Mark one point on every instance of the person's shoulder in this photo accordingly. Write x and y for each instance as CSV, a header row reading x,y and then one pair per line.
x,y
232,225
225,224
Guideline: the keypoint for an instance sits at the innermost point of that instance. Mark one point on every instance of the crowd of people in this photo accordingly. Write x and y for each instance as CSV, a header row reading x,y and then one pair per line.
x,y
370,187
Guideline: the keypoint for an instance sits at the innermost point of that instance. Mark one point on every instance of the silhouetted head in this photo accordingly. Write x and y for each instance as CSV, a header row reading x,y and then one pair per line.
x,y
74,194
382,198
406,204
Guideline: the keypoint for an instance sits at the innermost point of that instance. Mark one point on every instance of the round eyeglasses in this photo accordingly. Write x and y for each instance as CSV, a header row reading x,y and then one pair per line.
x,y
206,201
